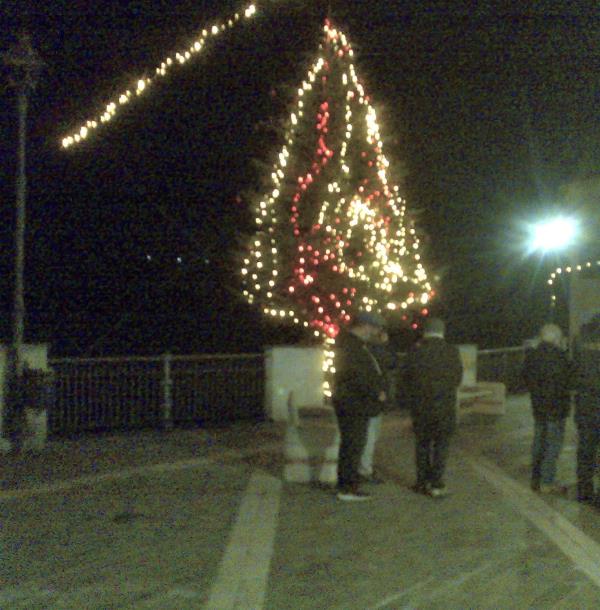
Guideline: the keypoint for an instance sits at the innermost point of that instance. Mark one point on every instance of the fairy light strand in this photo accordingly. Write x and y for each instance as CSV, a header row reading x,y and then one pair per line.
x,y
142,85
566,270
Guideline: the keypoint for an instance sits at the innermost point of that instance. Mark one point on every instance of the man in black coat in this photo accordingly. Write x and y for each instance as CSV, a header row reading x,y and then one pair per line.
x,y
587,410
433,372
358,394
546,373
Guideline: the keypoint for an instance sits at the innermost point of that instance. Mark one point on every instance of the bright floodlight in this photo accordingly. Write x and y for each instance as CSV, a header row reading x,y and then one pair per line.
x,y
554,234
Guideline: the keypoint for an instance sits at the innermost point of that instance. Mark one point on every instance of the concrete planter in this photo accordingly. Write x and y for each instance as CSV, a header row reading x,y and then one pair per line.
x,y
36,430
295,369
35,422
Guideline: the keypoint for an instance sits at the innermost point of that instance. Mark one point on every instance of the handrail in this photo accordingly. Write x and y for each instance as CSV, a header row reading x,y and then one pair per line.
x,y
218,356
115,359
501,350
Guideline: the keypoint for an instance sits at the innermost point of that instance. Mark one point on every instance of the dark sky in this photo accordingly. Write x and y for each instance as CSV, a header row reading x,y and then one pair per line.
x,y
489,112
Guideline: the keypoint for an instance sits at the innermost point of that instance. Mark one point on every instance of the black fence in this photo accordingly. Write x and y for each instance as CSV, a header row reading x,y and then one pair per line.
x,y
102,394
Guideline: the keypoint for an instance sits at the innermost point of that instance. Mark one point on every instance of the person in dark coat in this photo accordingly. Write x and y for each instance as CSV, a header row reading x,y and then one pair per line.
x,y
358,394
433,371
546,373
587,410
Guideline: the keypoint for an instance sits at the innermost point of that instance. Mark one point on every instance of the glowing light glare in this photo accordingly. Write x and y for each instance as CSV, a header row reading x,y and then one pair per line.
x,y
142,84
553,234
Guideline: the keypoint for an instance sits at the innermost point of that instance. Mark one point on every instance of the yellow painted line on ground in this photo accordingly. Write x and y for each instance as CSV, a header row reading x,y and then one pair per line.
x,y
582,550
242,577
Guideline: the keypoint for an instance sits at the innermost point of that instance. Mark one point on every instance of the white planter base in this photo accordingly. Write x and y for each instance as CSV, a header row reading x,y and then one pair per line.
x,y
36,431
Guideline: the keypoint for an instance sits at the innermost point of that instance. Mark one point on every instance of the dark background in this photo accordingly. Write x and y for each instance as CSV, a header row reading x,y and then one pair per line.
x,y
489,113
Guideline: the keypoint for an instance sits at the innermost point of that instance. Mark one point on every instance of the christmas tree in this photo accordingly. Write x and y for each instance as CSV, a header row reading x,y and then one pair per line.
x,y
333,235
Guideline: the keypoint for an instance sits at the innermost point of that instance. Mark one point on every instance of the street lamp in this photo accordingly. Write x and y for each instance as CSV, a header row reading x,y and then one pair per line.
x,y
24,66
553,235
556,235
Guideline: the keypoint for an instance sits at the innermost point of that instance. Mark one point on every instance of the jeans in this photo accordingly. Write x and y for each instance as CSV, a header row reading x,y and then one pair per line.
x,y
588,446
548,436
431,456
373,431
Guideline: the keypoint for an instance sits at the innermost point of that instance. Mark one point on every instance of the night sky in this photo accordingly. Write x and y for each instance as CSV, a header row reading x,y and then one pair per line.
x,y
130,236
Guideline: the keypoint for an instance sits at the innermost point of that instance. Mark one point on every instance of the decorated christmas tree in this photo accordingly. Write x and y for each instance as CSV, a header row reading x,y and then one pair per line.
x,y
333,235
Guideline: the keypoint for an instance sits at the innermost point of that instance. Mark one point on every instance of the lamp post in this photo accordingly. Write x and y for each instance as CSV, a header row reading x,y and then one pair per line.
x,y
24,66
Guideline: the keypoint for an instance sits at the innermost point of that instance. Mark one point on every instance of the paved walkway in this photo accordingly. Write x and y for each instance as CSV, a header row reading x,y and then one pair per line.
x,y
201,519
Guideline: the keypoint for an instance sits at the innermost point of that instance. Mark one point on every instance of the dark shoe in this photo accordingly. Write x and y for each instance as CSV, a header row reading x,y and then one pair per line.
x,y
354,495
587,498
590,500
422,488
585,493
554,489
535,485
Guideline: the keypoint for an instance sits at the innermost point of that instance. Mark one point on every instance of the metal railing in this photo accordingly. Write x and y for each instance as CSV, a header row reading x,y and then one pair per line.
x,y
94,394
503,365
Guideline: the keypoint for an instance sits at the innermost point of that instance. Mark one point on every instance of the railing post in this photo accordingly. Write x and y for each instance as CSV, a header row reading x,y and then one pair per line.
x,y
167,385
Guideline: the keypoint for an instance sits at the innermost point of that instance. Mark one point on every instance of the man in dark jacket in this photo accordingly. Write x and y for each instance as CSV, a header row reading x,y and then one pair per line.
x,y
358,394
587,410
433,372
546,373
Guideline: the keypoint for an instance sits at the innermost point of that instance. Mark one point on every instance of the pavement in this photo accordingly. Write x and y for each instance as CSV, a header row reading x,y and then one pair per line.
x,y
201,519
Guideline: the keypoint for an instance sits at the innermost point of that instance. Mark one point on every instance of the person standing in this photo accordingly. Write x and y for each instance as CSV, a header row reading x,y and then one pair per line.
x,y
587,410
358,394
380,347
546,373
433,371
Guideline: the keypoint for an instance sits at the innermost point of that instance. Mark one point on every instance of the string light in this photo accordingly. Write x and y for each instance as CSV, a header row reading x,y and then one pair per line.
x,y
143,84
567,270
353,249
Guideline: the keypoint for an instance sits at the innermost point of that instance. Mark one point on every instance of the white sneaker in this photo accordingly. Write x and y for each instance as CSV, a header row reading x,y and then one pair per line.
x,y
438,492
353,496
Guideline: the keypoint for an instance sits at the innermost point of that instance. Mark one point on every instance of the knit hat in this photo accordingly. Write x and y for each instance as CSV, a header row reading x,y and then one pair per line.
x,y
371,318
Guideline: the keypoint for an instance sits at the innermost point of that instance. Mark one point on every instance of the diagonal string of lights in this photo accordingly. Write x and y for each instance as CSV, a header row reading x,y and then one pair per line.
x,y
144,84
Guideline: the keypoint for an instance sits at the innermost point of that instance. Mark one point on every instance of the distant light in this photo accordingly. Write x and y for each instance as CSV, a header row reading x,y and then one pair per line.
x,y
554,234
148,257
179,259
